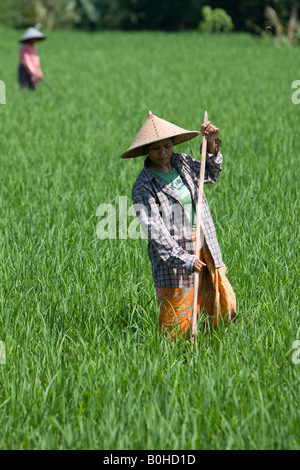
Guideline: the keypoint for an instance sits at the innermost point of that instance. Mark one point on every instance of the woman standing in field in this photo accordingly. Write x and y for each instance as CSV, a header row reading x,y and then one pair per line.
x,y
165,196
30,73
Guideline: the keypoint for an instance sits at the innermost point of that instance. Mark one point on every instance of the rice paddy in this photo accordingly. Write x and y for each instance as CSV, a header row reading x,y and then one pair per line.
x,y
85,366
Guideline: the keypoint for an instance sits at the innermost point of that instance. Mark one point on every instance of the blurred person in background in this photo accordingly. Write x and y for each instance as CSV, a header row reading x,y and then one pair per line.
x,y
29,72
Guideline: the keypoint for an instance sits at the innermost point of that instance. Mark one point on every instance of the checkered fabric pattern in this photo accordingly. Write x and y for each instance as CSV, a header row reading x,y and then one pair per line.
x,y
164,221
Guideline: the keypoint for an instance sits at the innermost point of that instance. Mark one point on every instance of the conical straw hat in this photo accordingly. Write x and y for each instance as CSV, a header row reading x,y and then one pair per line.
x,y
32,33
153,130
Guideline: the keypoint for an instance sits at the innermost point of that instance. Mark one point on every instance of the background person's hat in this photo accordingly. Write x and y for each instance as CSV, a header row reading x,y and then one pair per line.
x,y
153,130
32,33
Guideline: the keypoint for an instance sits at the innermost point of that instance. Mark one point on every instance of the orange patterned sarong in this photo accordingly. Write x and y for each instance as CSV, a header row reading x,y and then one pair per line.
x,y
216,300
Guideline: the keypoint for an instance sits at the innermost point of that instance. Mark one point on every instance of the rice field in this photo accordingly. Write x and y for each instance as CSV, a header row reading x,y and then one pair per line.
x,y
85,366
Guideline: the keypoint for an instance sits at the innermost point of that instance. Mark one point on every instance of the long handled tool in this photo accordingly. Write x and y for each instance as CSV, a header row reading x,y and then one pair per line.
x,y
45,84
198,228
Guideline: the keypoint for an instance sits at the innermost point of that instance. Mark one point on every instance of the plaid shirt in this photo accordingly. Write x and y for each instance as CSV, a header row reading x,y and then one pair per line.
x,y
165,223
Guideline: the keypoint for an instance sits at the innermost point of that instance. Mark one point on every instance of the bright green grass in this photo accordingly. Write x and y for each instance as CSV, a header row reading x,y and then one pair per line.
x,y
85,366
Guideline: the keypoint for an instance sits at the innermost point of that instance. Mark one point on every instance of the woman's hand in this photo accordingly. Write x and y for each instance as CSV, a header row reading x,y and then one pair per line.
x,y
38,74
209,131
198,265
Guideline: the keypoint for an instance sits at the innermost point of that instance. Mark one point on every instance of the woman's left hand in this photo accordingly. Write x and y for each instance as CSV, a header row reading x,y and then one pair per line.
x,y
209,131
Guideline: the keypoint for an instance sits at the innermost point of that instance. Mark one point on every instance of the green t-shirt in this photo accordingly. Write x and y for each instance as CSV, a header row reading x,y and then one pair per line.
x,y
177,184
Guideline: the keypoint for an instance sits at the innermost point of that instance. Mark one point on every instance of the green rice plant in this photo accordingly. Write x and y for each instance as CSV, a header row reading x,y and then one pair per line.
x,y
86,366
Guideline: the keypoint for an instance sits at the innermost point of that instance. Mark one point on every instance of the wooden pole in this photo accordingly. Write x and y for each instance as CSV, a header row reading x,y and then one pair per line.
x,y
198,228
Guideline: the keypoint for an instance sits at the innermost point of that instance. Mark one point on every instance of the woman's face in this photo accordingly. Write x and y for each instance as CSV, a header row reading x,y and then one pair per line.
x,y
160,153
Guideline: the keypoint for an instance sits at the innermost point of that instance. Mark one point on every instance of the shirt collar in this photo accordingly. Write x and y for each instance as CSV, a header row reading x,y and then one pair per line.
x,y
148,176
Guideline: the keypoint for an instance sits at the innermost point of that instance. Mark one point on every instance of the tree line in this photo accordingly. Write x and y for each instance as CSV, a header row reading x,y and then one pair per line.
x,y
169,15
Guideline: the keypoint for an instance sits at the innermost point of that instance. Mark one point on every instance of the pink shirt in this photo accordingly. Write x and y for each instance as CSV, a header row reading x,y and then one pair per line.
x,y
29,58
